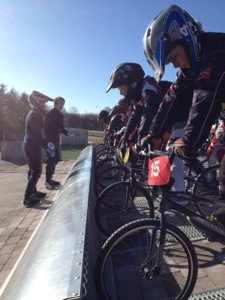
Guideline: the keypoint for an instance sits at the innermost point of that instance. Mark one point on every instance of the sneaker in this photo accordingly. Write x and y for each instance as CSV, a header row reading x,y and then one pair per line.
x,y
40,195
56,183
31,202
49,185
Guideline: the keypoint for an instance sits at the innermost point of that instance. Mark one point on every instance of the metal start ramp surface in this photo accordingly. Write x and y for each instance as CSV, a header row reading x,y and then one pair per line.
x,y
51,268
192,233
210,295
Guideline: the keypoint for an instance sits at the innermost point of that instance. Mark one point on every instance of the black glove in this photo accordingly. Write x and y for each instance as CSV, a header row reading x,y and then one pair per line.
x,y
184,151
123,147
146,143
137,147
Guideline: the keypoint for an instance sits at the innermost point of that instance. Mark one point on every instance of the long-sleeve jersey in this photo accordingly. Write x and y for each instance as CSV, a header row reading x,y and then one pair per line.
x,y
208,97
146,108
53,126
174,108
117,117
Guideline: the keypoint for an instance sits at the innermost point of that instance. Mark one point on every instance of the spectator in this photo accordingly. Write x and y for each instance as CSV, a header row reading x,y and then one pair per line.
x,y
33,142
53,126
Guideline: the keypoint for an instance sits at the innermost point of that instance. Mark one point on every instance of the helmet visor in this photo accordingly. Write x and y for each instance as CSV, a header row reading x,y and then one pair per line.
x,y
156,59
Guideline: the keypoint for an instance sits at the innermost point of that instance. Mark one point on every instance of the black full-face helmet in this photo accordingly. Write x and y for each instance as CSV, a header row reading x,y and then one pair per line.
x,y
126,73
103,115
171,27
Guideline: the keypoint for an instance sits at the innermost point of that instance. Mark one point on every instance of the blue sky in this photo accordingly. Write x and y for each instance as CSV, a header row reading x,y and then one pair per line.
x,y
68,48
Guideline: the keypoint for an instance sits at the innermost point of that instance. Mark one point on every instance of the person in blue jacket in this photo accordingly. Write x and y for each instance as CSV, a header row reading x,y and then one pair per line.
x,y
33,143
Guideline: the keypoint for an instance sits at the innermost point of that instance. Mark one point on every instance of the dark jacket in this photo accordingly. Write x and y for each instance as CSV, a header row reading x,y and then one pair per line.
x,y
174,107
53,126
33,129
145,109
208,97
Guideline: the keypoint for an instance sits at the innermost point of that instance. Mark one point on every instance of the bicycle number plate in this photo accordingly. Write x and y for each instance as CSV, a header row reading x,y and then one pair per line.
x,y
159,170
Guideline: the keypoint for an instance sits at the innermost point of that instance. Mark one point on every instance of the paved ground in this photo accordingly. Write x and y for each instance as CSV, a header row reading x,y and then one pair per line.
x,y
211,259
17,223
210,253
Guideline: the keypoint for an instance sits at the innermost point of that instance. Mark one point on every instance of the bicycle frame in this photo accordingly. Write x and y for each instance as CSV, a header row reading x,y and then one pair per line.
x,y
168,203
131,191
195,215
165,204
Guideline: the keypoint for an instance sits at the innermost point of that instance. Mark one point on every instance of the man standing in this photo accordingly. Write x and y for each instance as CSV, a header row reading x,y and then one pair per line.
x,y
33,142
53,126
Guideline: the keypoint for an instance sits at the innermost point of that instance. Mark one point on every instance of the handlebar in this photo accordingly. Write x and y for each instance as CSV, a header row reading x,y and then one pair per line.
x,y
157,153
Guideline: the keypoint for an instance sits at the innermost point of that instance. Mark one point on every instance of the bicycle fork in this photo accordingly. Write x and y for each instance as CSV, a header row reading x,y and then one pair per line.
x,y
153,263
130,194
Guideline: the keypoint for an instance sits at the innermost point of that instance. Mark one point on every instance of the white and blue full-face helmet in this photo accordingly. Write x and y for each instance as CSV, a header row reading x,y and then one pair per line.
x,y
36,97
171,27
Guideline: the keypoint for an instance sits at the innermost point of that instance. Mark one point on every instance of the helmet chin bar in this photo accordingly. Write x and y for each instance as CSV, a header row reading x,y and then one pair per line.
x,y
158,77
172,25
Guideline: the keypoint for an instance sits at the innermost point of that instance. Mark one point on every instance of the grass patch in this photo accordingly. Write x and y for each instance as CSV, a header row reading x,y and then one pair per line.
x,y
71,152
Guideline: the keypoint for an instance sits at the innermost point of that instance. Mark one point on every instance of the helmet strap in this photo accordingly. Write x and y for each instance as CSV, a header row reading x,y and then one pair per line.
x,y
134,92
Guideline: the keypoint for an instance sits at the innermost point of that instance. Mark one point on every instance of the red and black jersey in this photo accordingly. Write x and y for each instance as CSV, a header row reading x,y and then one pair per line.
x,y
145,109
174,108
207,94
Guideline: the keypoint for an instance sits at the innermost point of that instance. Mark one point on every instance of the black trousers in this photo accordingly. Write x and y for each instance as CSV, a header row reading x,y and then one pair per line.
x,y
51,162
34,157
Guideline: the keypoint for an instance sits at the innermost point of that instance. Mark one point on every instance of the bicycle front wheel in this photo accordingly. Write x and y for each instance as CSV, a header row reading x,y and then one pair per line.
x,y
121,203
104,164
128,267
109,176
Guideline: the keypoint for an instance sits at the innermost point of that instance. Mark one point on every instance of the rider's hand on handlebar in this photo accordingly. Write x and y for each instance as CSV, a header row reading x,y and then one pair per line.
x,y
137,148
184,151
146,142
